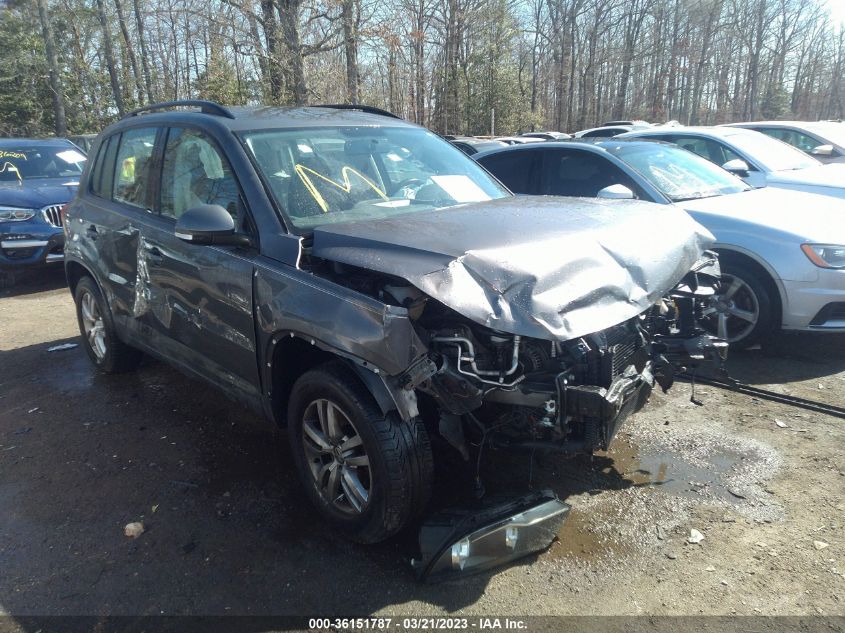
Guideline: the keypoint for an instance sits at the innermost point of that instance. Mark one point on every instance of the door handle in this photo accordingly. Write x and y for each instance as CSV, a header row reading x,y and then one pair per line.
x,y
91,232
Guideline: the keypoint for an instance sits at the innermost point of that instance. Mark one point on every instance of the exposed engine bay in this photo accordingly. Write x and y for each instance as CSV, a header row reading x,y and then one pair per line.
x,y
522,392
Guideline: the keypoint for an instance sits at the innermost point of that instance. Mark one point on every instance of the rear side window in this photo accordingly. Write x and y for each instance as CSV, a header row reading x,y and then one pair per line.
x,y
581,174
513,169
133,167
102,175
707,148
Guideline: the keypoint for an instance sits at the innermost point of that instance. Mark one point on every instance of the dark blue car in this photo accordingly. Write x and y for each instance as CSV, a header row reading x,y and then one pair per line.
x,y
37,178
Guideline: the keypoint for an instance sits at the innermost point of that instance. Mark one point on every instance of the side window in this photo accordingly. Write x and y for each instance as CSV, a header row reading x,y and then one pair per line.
x,y
583,174
707,148
102,174
604,133
132,169
804,142
513,169
194,172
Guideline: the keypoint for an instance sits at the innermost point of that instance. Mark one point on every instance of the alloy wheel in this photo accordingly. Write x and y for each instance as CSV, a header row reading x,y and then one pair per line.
x,y
336,457
733,313
92,323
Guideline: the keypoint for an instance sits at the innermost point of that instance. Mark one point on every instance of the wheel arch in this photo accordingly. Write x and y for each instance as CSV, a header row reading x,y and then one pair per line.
x,y
761,269
309,353
75,271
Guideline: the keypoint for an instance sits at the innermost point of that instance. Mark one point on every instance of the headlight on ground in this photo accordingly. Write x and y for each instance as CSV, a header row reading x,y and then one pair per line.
x,y
15,214
825,255
467,540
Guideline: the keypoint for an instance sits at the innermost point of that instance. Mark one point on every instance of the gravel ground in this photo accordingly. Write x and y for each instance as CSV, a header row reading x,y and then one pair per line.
x,y
227,531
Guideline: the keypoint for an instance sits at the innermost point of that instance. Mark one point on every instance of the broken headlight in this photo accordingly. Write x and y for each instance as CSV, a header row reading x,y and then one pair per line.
x,y
466,540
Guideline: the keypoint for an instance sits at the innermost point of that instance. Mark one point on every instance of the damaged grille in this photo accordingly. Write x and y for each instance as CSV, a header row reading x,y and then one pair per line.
x,y
622,346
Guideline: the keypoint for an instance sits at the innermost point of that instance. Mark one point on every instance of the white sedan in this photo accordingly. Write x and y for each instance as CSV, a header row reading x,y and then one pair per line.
x,y
756,158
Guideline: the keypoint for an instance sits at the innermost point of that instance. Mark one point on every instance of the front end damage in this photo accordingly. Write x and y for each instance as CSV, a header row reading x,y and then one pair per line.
x,y
520,344
566,396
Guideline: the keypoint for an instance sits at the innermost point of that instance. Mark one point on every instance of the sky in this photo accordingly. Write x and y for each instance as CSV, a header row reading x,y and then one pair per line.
x,y
837,10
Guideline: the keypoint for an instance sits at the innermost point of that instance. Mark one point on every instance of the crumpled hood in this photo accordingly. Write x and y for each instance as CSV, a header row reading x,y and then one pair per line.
x,y
37,193
831,175
542,267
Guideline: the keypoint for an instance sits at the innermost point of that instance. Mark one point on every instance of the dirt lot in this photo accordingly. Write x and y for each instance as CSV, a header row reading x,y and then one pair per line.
x,y
228,532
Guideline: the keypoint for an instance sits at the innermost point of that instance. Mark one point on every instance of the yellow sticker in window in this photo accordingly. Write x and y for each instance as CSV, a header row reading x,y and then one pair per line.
x,y
305,174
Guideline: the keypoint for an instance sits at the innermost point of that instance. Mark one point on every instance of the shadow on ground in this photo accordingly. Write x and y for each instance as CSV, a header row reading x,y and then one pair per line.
x,y
227,530
27,282
790,357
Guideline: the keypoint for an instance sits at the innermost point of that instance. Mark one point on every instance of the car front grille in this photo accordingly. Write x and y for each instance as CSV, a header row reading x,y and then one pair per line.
x,y
53,214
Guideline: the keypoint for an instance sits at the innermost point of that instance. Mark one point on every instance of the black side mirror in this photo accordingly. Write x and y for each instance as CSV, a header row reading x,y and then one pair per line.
x,y
209,224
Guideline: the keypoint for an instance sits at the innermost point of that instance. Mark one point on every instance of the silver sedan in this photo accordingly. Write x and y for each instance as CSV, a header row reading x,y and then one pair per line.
x,y
782,252
758,159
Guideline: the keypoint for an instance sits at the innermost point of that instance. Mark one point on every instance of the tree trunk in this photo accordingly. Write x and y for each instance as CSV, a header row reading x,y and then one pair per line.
x,y
139,25
275,72
133,60
53,65
289,18
109,53
350,42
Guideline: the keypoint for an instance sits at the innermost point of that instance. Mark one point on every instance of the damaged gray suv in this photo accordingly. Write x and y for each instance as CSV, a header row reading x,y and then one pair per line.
x,y
359,280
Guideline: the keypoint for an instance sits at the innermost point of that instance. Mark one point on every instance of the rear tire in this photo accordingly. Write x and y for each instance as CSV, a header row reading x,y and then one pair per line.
x,y
99,338
367,473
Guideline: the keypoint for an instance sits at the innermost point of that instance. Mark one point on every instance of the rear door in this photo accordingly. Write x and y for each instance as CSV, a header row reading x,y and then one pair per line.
x,y
515,169
106,233
200,310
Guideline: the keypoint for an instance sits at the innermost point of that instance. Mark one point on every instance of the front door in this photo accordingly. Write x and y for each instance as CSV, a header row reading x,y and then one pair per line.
x,y
200,310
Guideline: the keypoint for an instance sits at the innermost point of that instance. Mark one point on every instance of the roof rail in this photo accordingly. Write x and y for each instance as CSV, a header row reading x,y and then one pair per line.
x,y
362,108
206,107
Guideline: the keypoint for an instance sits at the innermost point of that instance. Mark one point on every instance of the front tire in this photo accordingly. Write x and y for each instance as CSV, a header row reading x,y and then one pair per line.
x,y
367,473
99,338
742,311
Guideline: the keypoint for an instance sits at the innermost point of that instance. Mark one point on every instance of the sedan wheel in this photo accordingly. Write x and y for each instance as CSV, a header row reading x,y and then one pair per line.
x,y
336,457
742,313
735,311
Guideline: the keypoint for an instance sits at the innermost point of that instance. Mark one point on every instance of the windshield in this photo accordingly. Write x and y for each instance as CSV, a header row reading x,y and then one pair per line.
x,y
677,173
40,161
348,174
771,153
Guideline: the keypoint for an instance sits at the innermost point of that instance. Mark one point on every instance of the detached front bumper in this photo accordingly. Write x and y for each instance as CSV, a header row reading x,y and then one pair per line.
x,y
30,245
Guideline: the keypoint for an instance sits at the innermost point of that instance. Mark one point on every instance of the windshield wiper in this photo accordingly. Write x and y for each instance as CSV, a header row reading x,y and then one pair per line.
x,y
697,196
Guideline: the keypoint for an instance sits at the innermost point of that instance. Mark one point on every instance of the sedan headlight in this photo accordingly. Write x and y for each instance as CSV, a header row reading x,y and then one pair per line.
x,y
825,255
16,214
